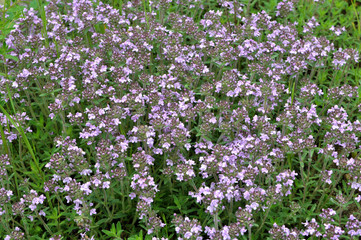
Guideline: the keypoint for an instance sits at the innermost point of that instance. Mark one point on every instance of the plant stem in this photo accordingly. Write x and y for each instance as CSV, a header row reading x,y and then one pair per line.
x,y
249,232
44,224
248,7
145,13
263,220
215,220
302,177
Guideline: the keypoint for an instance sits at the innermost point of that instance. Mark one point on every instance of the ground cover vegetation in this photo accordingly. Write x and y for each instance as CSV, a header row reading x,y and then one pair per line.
x,y
180,119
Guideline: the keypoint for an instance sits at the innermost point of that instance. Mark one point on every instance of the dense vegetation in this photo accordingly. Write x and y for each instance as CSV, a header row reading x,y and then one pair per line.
x,y
180,119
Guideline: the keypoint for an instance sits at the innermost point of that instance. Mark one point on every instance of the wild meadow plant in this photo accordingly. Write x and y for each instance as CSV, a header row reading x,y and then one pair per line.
x,y
179,120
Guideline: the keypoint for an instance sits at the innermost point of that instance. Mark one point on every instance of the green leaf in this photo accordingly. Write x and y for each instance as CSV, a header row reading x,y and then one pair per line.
x,y
115,201
176,201
54,215
101,221
172,208
15,8
109,233
113,228
135,237
119,229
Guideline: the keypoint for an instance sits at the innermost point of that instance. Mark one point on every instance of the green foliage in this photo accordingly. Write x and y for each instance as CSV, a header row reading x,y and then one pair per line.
x,y
115,232
33,151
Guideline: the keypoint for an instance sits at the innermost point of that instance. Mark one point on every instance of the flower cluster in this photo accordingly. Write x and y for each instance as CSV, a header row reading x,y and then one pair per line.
x,y
188,229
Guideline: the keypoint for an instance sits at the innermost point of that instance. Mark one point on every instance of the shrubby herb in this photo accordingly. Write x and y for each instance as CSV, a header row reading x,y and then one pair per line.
x,y
178,119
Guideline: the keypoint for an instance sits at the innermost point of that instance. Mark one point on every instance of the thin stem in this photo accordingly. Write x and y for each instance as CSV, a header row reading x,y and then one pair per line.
x,y
60,201
63,121
249,228
145,13
25,223
44,224
302,177
248,7
6,222
263,220
123,194
308,174
106,205
215,220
